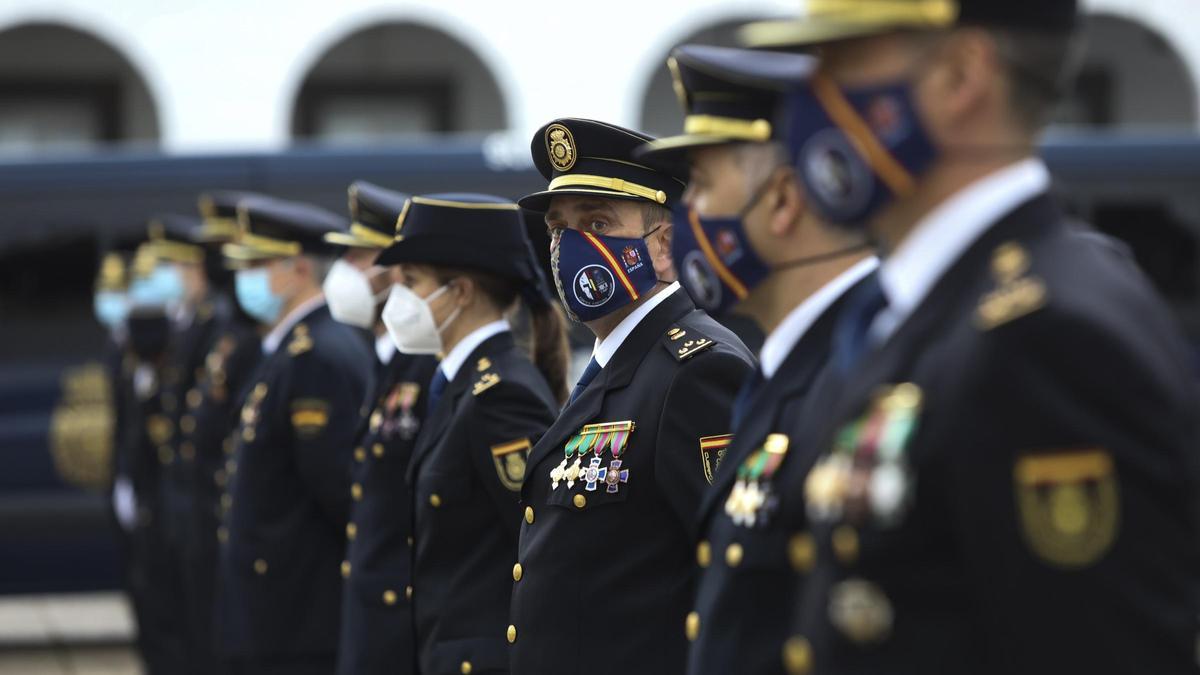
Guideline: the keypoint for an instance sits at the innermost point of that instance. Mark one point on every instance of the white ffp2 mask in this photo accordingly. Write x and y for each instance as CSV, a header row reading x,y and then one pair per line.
x,y
409,321
348,292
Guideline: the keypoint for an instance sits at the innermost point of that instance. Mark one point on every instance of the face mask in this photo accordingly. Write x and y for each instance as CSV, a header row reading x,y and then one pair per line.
x,y
111,308
409,320
716,263
253,290
857,150
596,275
348,292
162,288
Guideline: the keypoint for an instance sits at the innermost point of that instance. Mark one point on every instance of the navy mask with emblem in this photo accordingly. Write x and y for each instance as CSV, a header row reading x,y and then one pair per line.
x,y
716,262
597,275
857,149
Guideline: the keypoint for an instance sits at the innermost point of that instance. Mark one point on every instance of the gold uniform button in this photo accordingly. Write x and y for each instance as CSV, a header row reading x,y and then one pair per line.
x,y
408,591
351,531
704,554
580,501
845,544
260,566
377,450
389,597
465,668
692,626
734,554
360,455
435,500
512,634
529,514
345,569
260,390
222,534
165,454
187,424
226,501
797,656
802,552
410,541
194,398
518,572
248,435
356,492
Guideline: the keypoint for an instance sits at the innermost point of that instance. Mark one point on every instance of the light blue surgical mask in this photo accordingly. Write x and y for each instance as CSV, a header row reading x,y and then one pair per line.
x,y
163,287
111,308
253,289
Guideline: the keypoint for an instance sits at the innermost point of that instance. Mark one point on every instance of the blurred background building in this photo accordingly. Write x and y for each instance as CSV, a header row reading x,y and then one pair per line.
x,y
111,111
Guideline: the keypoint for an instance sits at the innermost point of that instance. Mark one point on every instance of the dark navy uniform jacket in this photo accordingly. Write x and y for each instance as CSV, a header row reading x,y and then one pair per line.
x,y
748,554
607,566
280,586
206,448
377,634
1009,484
467,472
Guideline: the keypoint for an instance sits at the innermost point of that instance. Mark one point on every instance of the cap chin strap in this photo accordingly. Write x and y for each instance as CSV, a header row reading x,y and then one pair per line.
x,y
822,257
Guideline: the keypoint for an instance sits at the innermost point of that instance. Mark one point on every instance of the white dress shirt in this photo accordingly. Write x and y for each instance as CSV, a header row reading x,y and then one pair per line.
x,y
385,348
457,356
271,342
604,349
941,238
780,343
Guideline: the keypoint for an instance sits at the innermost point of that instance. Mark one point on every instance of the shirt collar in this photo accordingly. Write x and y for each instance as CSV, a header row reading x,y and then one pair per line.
x,y
604,349
457,356
788,333
938,240
273,339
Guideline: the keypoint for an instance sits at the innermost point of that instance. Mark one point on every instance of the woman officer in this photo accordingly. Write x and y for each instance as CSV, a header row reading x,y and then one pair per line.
x,y
462,262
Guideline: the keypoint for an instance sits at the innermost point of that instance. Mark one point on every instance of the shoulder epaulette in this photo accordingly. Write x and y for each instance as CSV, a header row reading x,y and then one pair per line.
x,y
486,381
684,344
301,340
1017,293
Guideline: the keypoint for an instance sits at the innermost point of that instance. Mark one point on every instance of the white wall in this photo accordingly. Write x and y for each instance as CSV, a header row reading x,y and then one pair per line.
x,y
224,73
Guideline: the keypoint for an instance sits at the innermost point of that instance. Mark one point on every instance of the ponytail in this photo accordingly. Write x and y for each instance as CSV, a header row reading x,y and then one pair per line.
x,y
549,346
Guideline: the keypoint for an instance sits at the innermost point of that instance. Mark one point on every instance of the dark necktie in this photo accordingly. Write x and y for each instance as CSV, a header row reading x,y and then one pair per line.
x,y
593,369
436,387
745,396
851,338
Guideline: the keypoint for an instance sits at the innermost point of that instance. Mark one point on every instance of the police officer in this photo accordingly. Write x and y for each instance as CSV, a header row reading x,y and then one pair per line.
x,y
613,487
464,261
377,634
212,404
1007,474
746,241
279,599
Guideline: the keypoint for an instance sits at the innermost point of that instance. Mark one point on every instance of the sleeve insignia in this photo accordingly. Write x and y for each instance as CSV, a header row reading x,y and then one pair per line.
x,y
485,382
1016,293
310,416
509,459
712,451
1068,505
301,341
683,349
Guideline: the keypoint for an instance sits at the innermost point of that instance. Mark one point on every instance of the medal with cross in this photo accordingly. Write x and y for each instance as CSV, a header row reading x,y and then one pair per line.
x,y
594,438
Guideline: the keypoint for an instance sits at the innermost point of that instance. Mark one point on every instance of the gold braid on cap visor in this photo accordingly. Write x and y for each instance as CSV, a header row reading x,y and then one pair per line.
x,y
614,184
728,127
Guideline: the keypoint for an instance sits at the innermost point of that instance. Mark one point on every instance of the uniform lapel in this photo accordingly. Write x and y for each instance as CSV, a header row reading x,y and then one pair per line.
x,y
953,293
616,375
793,380
440,419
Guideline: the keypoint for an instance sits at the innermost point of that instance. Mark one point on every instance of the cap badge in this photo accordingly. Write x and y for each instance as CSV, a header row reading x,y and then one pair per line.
x,y
561,146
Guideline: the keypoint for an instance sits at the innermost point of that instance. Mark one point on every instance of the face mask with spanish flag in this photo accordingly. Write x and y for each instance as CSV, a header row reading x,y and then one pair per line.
x,y
597,275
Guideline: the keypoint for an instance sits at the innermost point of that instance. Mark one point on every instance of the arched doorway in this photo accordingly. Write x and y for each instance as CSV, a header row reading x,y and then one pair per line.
x,y
62,89
1131,76
394,80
